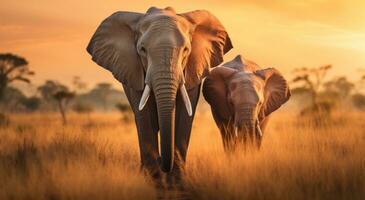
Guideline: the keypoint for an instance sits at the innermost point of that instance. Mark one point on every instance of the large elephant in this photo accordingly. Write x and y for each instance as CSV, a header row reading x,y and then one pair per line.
x,y
155,55
242,96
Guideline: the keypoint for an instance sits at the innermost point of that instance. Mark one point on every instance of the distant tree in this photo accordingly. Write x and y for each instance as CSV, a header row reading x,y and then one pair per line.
x,y
63,98
102,98
11,99
83,108
13,68
80,106
359,101
47,91
49,88
15,100
341,86
78,84
311,79
104,89
57,93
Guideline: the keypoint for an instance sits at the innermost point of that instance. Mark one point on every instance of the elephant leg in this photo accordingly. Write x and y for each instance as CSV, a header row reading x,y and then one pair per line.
x,y
147,128
183,125
148,142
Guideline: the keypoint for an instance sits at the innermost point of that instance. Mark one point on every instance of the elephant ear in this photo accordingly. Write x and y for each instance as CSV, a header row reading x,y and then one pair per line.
x,y
276,90
215,91
210,42
113,47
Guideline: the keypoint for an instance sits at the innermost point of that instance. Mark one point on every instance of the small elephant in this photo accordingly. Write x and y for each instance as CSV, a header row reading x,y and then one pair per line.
x,y
242,96
160,57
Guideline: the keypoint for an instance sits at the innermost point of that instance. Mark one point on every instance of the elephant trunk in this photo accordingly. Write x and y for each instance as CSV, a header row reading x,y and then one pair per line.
x,y
165,77
246,130
249,127
165,90
245,123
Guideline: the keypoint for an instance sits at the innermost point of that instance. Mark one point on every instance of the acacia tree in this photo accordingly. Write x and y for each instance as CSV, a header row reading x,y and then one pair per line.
x,y
47,91
340,86
57,94
63,98
49,88
358,99
81,106
13,68
79,84
311,79
12,99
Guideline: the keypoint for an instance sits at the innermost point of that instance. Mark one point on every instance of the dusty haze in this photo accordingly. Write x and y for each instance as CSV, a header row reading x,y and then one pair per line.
x,y
283,34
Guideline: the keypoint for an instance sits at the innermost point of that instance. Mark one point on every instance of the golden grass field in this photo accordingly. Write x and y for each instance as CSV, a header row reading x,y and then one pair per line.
x,y
99,159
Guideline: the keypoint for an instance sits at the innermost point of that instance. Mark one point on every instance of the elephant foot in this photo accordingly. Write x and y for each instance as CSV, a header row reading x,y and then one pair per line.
x,y
174,179
174,194
154,174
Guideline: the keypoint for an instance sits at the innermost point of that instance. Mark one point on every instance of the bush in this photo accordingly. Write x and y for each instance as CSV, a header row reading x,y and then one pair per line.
x,y
31,103
126,111
81,107
359,101
4,120
322,108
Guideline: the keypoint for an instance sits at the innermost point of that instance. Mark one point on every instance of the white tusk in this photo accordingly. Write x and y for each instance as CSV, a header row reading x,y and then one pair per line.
x,y
259,129
236,132
145,96
186,99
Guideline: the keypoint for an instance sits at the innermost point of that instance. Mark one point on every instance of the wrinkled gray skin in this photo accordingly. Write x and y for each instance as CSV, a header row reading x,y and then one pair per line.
x,y
156,56
242,96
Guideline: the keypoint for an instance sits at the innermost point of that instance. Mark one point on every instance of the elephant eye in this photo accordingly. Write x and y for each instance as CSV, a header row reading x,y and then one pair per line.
x,y
142,50
186,50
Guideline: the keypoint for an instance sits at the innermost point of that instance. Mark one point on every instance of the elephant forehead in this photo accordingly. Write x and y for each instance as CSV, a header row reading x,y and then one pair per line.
x,y
242,78
246,82
164,20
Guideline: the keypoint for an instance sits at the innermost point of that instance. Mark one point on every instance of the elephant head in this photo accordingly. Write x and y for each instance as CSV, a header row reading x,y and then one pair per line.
x,y
242,95
160,53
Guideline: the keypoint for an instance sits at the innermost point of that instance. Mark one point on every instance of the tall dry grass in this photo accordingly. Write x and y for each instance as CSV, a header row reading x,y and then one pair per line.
x,y
99,159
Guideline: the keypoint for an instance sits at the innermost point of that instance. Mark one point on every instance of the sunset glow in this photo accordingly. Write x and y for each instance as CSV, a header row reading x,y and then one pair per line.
x,y
254,99
284,34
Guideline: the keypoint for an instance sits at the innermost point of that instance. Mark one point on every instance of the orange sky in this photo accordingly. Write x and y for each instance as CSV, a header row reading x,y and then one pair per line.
x,y
284,34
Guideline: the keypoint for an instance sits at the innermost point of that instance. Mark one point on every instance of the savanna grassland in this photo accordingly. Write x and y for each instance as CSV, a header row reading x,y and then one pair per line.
x,y
97,157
